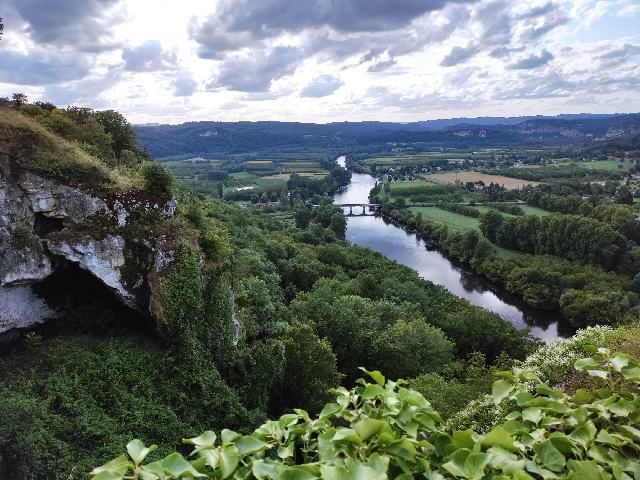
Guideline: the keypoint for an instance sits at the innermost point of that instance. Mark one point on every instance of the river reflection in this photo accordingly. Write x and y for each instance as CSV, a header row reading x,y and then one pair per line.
x,y
407,249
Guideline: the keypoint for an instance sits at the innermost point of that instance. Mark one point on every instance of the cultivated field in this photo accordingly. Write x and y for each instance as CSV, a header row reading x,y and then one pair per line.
x,y
463,177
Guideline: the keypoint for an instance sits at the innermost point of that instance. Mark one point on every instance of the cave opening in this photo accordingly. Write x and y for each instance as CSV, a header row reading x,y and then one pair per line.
x,y
85,305
43,225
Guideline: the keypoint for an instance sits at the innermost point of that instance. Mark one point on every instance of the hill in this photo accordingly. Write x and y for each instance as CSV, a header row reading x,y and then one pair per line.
x,y
220,138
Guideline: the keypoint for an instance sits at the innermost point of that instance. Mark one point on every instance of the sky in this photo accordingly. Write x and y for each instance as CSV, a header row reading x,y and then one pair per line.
x,y
168,61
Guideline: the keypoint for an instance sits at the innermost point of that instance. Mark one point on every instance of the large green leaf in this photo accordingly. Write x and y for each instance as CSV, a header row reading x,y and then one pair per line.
x,y
549,456
501,390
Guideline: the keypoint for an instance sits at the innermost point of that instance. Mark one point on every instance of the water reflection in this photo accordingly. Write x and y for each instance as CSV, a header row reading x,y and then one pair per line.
x,y
408,249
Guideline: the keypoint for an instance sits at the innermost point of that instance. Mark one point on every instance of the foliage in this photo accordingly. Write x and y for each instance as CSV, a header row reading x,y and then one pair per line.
x,y
158,181
382,430
310,370
70,402
573,237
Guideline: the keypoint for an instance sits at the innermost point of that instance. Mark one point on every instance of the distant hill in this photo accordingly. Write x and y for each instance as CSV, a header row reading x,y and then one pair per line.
x,y
220,138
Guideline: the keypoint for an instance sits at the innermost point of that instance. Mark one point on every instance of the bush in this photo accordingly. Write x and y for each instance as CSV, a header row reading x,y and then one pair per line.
x,y
158,180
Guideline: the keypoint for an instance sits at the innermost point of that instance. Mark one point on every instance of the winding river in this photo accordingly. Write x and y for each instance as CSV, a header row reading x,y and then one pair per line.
x,y
407,249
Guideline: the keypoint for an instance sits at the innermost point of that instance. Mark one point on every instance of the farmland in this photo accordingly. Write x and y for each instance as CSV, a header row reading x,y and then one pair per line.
x,y
472,176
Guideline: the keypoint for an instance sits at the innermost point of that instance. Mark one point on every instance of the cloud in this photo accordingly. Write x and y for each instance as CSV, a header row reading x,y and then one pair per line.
x,y
322,86
332,30
538,28
84,25
184,85
254,73
40,68
459,55
82,91
382,65
371,55
148,57
532,61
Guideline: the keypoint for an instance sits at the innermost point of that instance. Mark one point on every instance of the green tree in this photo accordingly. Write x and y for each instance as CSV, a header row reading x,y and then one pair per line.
x,y
122,135
18,100
310,370
411,347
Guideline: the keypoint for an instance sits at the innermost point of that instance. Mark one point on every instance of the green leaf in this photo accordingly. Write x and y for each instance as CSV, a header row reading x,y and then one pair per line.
x,y
262,469
137,451
373,391
229,436
176,465
368,427
582,396
119,466
499,437
597,373
532,414
501,390
107,475
586,364
248,445
207,438
286,451
229,459
376,376
465,439
584,435
619,361
584,470
294,473
631,373
346,435
549,456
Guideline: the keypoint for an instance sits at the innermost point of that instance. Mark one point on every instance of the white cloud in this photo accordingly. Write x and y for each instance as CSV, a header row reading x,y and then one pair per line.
x,y
324,61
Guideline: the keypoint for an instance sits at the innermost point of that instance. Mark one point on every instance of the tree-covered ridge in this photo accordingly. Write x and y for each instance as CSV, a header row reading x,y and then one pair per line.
x,y
383,430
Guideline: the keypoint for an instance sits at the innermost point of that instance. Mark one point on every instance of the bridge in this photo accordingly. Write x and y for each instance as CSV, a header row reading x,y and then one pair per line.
x,y
372,207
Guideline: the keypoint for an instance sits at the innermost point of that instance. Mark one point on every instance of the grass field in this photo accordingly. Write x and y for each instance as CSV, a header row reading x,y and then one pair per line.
x,y
463,177
528,210
450,219
609,165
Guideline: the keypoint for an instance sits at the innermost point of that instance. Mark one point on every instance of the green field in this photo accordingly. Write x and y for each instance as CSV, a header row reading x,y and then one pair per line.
x,y
528,210
450,219
609,165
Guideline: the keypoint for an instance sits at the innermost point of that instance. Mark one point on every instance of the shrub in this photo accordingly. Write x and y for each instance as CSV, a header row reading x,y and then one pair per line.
x,y
158,180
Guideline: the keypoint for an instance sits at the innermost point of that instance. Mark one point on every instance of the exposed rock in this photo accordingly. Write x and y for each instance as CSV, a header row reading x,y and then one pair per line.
x,y
24,265
21,308
57,200
103,258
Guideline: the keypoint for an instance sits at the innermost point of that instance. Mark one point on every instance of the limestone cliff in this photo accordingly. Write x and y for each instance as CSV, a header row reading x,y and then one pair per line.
x,y
45,223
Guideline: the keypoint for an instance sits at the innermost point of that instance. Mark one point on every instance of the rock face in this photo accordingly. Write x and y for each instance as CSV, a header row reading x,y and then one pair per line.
x,y
43,223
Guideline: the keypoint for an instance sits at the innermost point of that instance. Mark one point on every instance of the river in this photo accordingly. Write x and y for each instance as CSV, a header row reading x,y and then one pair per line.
x,y
407,249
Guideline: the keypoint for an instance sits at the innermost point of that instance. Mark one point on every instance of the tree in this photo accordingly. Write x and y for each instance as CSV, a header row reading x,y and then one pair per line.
x,y
18,99
412,347
623,196
122,135
302,215
310,370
